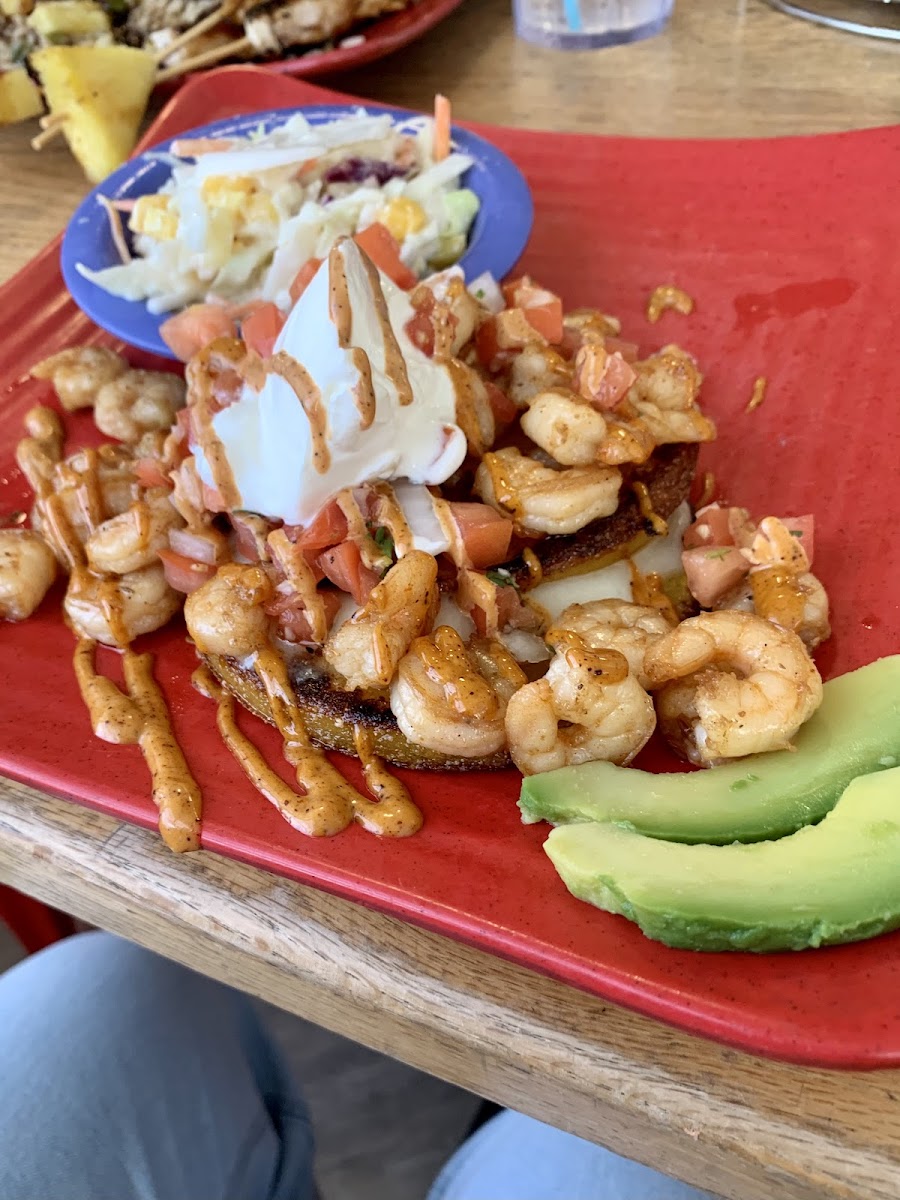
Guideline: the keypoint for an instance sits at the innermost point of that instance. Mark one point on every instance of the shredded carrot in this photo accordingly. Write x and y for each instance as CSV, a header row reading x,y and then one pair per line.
x,y
441,143
115,228
194,147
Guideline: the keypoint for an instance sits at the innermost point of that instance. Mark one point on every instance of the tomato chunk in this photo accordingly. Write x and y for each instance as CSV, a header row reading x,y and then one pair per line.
x,y
543,309
187,332
344,566
261,328
384,250
327,528
150,473
291,617
485,533
185,574
503,408
304,278
712,571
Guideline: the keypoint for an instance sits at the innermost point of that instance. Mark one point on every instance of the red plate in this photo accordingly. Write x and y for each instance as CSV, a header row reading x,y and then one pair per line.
x,y
789,248
380,37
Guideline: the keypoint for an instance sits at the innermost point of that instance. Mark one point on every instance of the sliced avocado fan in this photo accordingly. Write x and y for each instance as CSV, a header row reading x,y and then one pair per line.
x,y
838,881
855,731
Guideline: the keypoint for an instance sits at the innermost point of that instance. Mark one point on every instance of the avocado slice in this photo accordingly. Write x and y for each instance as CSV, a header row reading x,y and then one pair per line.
x,y
854,732
838,881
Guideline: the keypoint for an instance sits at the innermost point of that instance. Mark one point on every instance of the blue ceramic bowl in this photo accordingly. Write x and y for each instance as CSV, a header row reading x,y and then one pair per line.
x,y
496,239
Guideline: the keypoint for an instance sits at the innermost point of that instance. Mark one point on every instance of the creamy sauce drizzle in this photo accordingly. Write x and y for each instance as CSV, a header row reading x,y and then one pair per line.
x,y
140,717
668,296
533,563
395,814
358,530
447,663
304,388
650,591
609,664
394,362
299,575
200,390
389,514
645,504
464,382
758,394
364,389
504,490
707,491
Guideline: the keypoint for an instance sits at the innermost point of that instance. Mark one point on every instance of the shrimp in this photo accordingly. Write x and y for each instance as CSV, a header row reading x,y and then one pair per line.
x,y
137,401
131,539
27,569
537,369
575,433
587,707
799,603
616,625
39,452
665,394
367,649
78,374
441,699
115,610
732,684
225,615
544,500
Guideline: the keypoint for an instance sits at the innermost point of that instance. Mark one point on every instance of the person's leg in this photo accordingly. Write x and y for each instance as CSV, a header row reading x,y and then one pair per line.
x,y
126,1077
513,1157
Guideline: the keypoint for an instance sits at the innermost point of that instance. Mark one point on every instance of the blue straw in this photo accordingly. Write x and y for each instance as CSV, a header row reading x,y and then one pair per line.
x,y
573,15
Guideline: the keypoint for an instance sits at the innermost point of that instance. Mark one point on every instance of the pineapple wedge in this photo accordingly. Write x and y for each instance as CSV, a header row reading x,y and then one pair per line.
x,y
16,8
20,97
103,92
68,19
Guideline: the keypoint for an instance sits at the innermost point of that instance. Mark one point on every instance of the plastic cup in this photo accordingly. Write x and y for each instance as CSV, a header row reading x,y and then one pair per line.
x,y
586,24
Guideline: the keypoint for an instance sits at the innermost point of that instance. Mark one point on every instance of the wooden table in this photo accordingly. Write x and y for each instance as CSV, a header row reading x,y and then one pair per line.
x,y
740,1126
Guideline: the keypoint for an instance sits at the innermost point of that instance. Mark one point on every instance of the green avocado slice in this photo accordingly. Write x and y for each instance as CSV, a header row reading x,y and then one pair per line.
x,y
838,881
854,732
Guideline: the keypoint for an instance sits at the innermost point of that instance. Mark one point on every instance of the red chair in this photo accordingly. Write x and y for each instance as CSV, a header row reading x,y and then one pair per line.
x,y
36,925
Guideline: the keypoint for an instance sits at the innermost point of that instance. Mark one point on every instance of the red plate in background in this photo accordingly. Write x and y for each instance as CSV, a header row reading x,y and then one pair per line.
x,y
789,247
377,39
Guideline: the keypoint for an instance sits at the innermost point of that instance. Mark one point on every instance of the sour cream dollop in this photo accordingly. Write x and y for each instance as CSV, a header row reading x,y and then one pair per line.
x,y
267,436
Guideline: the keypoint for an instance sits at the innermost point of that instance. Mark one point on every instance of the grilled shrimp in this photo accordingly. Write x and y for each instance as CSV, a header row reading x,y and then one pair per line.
x,y
442,700
799,603
225,615
115,610
732,684
131,539
616,625
135,402
27,569
537,369
665,394
587,707
39,452
544,500
78,374
367,649
575,433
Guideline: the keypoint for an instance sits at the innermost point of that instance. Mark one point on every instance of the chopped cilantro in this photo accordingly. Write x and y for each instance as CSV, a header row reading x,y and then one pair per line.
x,y
501,578
723,553
381,536
479,295
795,532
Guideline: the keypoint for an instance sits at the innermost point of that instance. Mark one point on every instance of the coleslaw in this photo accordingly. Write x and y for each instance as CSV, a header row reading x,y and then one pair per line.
x,y
239,217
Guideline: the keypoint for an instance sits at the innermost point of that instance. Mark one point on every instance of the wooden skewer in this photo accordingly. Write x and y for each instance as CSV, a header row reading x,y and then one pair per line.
x,y
51,132
52,120
206,59
210,21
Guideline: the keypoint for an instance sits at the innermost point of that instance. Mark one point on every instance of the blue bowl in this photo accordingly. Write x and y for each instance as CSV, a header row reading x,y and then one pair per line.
x,y
496,239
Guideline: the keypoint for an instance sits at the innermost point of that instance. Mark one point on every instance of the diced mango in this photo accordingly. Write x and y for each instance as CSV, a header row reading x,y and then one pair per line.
x,y
102,91
20,97
223,191
68,18
403,216
153,216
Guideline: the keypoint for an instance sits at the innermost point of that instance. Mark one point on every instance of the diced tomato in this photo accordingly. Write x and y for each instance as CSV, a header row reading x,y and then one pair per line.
x,y
384,250
250,532
150,473
543,310
420,331
485,532
628,350
713,527
486,345
304,278
503,408
712,571
803,528
344,566
261,328
327,528
601,377
185,574
292,619
187,332
213,500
